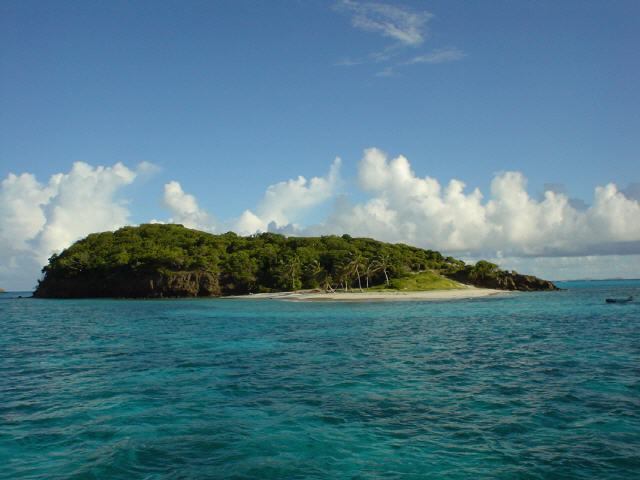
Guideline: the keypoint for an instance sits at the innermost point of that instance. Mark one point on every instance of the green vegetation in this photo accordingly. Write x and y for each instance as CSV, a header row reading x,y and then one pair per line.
x,y
170,260
265,262
420,282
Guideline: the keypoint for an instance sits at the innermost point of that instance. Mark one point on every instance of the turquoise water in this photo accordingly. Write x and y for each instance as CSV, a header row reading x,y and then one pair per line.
x,y
527,386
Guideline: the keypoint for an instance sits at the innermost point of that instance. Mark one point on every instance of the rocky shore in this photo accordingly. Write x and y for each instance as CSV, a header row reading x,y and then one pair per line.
x,y
504,281
152,284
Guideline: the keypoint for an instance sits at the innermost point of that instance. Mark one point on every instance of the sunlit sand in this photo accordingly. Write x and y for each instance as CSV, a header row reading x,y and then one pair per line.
x,y
365,296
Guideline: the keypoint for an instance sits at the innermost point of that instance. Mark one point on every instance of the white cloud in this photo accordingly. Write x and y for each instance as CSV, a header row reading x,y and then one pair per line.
x,y
284,202
405,28
184,208
39,219
509,225
441,55
402,25
547,235
147,169
22,216
420,211
84,202
281,206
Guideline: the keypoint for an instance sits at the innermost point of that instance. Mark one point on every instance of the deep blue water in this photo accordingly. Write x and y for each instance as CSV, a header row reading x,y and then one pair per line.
x,y
540,385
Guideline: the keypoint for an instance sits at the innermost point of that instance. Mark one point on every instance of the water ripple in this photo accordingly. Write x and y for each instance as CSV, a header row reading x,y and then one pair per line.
x,y
531,386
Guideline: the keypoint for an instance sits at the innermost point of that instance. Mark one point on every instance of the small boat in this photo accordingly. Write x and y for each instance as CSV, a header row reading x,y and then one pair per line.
x,y
619,300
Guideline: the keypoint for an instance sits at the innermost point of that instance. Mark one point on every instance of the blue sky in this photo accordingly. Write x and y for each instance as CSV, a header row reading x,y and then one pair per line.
x,y
229,97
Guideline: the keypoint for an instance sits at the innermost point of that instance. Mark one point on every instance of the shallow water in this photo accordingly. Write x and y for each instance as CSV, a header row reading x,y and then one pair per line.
x,y
540,385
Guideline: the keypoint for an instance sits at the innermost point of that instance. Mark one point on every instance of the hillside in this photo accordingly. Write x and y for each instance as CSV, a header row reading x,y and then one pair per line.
x,y
156,260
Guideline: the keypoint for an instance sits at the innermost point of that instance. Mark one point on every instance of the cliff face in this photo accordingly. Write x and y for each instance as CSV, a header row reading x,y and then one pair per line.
x,y
151,284
504,281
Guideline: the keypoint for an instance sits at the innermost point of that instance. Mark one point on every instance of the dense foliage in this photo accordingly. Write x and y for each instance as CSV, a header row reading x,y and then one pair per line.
x,y
264,262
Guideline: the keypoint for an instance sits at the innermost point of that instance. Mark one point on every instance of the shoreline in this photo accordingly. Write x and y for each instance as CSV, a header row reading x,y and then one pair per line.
x,y
427,295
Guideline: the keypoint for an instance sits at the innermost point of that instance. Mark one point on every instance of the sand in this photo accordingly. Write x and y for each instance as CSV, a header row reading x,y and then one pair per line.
x,y
357,296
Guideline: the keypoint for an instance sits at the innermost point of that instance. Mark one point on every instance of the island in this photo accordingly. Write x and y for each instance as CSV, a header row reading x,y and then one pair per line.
x,y
169,260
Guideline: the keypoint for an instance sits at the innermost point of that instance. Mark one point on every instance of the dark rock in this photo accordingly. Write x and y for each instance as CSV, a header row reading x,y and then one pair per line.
x,y
504,281
149,284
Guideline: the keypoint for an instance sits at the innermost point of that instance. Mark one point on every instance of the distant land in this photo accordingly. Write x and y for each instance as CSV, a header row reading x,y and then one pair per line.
x,y
158,260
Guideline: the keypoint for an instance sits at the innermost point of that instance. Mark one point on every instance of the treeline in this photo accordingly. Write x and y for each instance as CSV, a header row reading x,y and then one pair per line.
x,y
263,262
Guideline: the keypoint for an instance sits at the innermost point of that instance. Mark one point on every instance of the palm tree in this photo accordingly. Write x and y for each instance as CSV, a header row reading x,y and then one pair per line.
x,y
385,262
317,271
328,282
292,269
321,275
354,266
343,273
372,267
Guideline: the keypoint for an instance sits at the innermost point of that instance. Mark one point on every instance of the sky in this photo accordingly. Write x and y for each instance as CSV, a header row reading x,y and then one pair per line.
x,y
501,130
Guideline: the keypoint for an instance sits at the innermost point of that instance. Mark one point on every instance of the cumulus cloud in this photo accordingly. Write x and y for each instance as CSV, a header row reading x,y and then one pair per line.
x,y
281,206
83,202
184,208
549,234
284,202
22,216
38,219
419,210
405,207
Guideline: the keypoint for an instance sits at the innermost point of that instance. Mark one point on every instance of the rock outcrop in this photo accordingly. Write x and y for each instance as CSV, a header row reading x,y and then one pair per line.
x,y
150,284
504,281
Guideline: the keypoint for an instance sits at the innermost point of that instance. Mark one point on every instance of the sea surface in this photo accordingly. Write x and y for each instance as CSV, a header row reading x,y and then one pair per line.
x,y
521,386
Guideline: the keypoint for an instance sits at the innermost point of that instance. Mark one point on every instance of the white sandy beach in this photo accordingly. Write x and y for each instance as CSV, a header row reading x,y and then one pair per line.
x,y
357,296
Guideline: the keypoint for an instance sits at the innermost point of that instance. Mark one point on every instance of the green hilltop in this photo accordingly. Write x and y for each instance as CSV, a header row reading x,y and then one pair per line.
x,y
157,260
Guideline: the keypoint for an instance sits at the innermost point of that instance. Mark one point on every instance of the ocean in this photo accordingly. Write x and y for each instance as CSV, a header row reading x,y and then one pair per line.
x,y
522,386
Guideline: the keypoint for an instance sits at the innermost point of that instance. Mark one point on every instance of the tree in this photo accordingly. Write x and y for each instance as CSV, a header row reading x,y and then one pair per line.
x,y
343,275
240,272
356,263
483,269
314,274
384,261
292,270
373,266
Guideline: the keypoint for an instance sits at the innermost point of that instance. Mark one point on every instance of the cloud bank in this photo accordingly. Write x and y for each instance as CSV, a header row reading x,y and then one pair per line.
x,y
405,207
420,211
553,236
